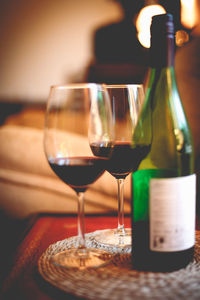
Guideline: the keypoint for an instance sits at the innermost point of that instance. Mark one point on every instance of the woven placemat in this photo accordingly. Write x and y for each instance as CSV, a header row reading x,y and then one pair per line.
x,y
118,280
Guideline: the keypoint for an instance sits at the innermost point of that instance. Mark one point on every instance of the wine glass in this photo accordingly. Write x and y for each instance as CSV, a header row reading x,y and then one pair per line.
x,y
71,109
126,101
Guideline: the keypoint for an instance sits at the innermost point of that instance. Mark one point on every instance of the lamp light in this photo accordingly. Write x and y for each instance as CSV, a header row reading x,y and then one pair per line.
x,y
143,21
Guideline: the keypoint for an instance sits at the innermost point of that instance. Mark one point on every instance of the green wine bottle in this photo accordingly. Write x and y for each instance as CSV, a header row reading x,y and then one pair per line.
x,y
164,186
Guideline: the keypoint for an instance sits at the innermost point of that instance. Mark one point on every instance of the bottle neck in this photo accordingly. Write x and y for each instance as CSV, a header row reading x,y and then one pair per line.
x,y
162,51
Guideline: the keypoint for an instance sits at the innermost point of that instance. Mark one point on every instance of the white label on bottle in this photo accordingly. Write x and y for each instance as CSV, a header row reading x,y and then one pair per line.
x,y
172,213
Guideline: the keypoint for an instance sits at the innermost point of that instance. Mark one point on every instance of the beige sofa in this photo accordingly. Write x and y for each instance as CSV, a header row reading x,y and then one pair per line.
x,y
29,186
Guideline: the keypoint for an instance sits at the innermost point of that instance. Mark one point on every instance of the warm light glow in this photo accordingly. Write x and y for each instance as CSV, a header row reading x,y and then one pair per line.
x,y
143,22
182,37
188,13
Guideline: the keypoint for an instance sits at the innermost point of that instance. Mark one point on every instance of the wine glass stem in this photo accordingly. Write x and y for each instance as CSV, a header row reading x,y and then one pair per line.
x,y
120,228
81,220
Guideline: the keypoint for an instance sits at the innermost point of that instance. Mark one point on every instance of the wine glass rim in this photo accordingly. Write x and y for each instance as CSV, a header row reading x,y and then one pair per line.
x,y
124,85
74,85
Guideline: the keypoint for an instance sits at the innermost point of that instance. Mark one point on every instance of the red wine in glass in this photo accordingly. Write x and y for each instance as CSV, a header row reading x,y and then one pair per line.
x,y
124,157
78,172
68,152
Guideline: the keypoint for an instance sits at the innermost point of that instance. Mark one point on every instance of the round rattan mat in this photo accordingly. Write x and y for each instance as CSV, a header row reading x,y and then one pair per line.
x,y
118,280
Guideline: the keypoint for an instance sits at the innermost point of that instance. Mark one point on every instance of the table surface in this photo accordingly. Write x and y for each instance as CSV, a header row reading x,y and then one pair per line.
x,y
23,280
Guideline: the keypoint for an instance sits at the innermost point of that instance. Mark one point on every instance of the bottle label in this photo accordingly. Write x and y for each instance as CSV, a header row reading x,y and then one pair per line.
x,y
172,213
140,190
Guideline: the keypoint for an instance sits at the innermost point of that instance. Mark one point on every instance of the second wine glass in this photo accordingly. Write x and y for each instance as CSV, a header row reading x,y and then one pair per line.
x,y
126,102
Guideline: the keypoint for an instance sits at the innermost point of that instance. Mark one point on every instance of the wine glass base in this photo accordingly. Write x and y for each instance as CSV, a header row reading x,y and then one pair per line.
x,y
81,258
111,237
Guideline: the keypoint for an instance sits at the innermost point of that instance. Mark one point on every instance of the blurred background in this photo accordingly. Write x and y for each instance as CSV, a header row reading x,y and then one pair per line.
x,y
52,42
47,42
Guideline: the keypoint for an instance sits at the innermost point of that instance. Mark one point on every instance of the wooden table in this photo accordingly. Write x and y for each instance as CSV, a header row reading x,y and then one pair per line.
x,y
23,280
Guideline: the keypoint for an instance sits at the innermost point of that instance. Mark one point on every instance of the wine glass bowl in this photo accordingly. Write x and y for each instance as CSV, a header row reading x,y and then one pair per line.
x,y
71,112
